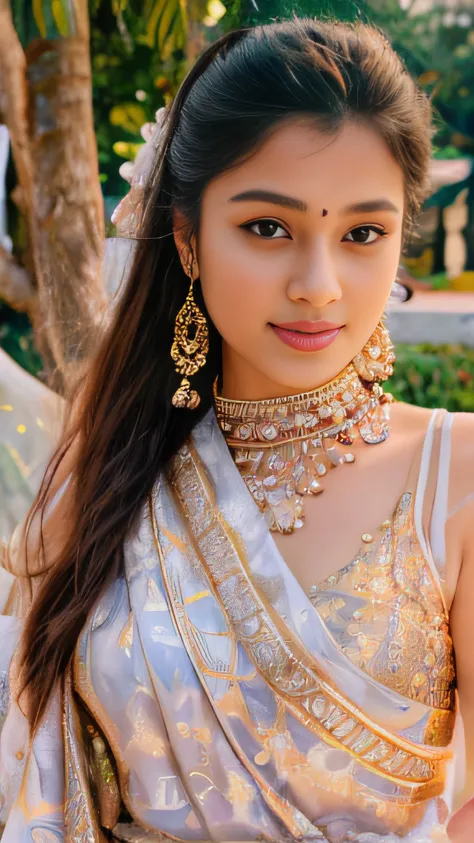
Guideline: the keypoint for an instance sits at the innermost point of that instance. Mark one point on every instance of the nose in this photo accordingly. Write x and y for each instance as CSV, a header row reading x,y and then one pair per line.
x,y
315,280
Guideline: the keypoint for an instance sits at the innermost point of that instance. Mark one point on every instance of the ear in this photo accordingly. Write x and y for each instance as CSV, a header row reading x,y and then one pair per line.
x,y
185,243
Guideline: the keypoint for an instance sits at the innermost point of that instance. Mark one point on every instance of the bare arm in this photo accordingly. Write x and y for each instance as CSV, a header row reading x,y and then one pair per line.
x,y
462,626
460,828
461,545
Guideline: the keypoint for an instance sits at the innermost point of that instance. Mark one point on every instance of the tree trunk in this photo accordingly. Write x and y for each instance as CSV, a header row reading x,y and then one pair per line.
x,y
47,103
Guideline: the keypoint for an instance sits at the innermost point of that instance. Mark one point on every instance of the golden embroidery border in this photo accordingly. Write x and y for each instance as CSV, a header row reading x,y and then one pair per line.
x,y
188,471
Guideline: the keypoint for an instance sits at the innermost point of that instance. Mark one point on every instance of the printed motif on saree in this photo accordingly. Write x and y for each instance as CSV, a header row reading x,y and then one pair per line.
x,y
211,699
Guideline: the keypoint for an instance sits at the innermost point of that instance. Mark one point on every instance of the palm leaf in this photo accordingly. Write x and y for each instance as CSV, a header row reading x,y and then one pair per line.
x,y
156,10
62,17
168,27
148,8
119,6
38,14
53,17
165,25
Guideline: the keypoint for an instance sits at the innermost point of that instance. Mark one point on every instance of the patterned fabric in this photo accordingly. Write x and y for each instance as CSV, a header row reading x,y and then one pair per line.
x,y
211,699
387,614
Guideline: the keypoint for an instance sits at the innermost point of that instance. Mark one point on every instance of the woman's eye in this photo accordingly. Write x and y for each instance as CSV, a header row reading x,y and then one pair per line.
x,y
365,234
267,229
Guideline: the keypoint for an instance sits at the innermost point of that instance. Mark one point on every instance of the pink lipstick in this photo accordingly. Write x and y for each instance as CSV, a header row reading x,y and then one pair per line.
x,y
307,336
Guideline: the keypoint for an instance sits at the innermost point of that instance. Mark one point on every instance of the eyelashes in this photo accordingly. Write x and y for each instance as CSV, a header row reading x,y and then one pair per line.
x,y
268,224
366,230
267,228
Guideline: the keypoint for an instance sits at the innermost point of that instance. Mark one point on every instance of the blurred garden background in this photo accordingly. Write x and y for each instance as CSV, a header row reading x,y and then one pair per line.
x,y
60,160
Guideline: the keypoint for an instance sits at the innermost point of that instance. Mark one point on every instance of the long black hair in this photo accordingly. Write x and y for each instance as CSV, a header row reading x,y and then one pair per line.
x,y
125,429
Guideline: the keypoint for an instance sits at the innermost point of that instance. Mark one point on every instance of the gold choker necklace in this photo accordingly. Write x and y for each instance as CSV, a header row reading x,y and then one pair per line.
x,y
283,447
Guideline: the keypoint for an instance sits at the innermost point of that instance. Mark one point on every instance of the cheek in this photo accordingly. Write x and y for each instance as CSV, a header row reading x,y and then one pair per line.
x,y
237,286
365,290
371,277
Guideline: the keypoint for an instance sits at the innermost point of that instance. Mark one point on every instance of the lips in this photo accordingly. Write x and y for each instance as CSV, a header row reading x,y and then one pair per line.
x,y
307,336
305,327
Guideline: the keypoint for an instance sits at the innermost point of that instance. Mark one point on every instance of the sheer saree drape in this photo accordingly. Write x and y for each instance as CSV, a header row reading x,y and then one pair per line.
x,y
207,699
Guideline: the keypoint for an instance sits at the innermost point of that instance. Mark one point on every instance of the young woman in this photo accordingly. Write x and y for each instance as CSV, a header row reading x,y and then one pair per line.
x,y
248,572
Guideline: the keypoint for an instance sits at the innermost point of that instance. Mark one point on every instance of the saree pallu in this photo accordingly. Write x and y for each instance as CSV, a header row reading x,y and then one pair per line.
x,y
208,699
30,422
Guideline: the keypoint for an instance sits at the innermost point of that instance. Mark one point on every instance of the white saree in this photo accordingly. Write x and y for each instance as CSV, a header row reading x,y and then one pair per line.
x,y
208,699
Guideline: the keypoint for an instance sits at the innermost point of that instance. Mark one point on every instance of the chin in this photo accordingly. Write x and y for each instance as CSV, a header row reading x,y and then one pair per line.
x,y
293,380
310,374
297,371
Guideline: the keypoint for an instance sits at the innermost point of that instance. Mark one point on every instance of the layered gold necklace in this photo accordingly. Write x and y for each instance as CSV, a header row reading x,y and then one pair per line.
x,y
283,447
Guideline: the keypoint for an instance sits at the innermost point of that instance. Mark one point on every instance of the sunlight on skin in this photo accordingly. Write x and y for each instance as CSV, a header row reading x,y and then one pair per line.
x,y
461,826
264,261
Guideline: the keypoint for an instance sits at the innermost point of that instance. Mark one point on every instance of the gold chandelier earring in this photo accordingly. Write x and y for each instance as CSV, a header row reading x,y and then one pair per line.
x,y
190,347
374,363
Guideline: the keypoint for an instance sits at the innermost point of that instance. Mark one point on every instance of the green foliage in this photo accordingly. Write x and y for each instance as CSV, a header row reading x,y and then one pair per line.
x,y
438,48
447,153
121,67
435,377
42,19
53,18
16,339
166,26
252,12
138,50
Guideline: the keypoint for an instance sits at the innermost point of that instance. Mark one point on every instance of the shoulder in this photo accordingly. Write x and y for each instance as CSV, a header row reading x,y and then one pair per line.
x,y
460,538
462,458
408,419
461,492
463,430
409,425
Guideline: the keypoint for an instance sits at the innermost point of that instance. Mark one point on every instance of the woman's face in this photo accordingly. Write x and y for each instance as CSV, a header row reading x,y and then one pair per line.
x,y
297,251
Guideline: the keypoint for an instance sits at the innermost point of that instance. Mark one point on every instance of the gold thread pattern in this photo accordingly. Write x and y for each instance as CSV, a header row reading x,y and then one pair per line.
x,y
285,666
79,811
388,616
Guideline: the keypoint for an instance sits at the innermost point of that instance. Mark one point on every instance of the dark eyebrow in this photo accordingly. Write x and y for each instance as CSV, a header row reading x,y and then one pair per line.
x,y
370,206
367,207
270,196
